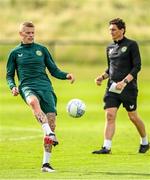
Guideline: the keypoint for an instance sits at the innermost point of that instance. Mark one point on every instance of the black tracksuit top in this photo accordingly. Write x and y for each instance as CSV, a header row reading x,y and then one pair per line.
x,y
123,58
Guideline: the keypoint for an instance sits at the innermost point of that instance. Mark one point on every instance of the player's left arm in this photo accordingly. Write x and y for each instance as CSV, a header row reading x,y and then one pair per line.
x,y
136,62
54,70
70,77
122,84
135,58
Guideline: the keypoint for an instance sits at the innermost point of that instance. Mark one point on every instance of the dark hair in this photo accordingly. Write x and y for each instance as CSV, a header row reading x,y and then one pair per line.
x,y
119,23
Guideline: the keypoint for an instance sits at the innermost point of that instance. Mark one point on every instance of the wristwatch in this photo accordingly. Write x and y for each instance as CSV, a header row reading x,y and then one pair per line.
x,y
126,81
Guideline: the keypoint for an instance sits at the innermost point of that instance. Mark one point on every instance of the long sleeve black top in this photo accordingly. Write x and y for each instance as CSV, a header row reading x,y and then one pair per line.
x,y
123,58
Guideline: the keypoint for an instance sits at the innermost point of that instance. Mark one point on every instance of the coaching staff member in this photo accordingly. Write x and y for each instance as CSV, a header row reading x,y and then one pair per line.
x,y
124,63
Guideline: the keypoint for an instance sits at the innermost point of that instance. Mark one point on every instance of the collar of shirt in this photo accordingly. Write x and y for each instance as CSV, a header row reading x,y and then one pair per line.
x,y
120,41
26,45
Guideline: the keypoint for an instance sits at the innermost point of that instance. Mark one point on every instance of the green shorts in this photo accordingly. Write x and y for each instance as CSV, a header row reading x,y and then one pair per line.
x,y
47,98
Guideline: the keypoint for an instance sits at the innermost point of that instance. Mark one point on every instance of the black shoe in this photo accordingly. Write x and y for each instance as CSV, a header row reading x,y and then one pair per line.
x,y
47,168
144,148
102,151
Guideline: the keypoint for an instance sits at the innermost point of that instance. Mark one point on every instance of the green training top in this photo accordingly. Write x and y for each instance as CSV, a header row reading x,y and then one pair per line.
x,y
30,62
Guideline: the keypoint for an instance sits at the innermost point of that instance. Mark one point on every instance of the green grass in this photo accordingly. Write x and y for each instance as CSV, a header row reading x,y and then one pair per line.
x,y
21,136
78,54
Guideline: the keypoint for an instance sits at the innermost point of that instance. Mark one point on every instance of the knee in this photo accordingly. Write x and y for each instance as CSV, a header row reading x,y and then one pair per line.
x,y
110,117
32,102
132,118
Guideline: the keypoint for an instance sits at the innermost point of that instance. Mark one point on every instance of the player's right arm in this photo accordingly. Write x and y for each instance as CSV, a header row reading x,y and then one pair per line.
x,y
105,75
11,67
100,78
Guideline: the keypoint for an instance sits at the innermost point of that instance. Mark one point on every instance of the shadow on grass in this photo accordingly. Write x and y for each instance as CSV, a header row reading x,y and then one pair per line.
x,y
111,173
124,173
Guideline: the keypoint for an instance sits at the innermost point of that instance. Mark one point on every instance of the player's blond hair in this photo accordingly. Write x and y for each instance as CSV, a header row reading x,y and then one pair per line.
x,y
25,24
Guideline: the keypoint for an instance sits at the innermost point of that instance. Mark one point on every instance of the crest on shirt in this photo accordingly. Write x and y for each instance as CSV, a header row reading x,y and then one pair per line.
x,y
123,49
39,53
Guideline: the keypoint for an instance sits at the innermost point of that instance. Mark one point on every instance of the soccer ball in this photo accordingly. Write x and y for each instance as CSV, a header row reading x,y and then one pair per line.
x,y
76,108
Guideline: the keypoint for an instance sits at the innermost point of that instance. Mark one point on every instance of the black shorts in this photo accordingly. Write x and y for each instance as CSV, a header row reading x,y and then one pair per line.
x,y
128,98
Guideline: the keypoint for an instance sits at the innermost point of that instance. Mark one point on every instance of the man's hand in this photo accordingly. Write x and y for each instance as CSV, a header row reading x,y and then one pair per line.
x,y
15,91
70,77
120,85
99,80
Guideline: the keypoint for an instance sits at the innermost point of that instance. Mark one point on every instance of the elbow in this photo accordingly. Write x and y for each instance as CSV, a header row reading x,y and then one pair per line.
x,y
139,67
53,74
7,77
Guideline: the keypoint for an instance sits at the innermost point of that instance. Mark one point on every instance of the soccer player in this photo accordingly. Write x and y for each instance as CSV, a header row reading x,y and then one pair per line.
x,y
124,63
30,60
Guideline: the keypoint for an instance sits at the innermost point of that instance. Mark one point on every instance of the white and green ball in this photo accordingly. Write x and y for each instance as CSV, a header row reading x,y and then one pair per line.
x,y
76,108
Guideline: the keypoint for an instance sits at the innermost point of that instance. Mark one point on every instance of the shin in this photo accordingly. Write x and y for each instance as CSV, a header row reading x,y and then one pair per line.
x,y
33,102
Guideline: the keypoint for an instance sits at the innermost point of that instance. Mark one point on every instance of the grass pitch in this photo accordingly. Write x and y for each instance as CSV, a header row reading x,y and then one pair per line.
x,y
21,148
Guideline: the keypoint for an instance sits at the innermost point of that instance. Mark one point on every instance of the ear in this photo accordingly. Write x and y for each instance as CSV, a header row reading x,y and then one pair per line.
x,y
123,30
20,33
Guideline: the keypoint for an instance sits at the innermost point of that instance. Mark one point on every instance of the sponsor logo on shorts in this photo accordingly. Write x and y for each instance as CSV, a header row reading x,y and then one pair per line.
x,y
131,106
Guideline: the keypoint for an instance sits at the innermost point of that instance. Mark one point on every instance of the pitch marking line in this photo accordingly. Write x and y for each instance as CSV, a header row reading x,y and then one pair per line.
x,y
20,138
19,129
